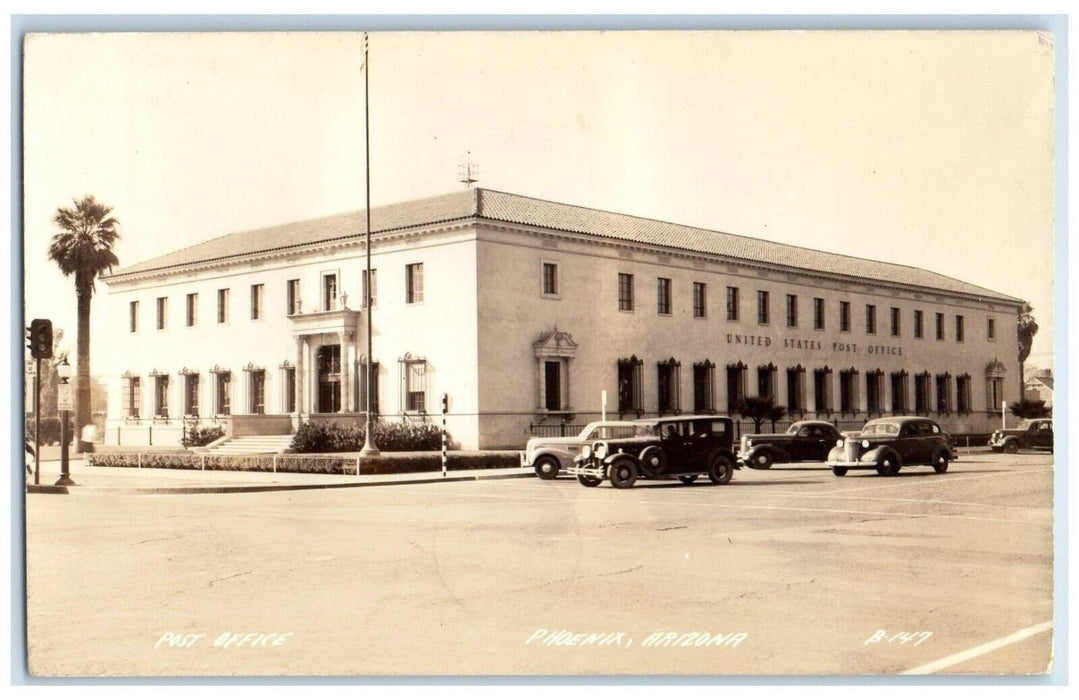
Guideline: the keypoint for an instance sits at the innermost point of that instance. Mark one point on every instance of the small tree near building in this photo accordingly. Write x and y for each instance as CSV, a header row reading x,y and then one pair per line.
x,y
759,409
1029,408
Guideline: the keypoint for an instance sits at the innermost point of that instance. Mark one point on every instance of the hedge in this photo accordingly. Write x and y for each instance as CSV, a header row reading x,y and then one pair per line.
x,y
310,464
390,437
50,429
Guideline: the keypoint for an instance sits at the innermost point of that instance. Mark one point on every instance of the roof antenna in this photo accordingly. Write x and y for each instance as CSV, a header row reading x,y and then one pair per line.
x,y
467,171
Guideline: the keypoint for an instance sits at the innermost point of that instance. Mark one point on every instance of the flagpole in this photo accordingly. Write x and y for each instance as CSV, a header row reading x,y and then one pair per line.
x,y
369,448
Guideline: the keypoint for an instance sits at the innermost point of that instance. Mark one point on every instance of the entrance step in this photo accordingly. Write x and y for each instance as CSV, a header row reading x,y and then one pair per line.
x,y
252,445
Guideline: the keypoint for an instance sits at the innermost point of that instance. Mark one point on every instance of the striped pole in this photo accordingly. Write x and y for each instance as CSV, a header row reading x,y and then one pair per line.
x,y
445,407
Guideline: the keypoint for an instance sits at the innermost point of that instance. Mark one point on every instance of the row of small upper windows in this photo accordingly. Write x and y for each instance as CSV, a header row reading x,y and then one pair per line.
x,y
331,299
627,302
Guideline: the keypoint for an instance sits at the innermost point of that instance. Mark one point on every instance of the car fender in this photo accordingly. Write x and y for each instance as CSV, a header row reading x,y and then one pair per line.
x,y
877,455
776,453
728,454
536,456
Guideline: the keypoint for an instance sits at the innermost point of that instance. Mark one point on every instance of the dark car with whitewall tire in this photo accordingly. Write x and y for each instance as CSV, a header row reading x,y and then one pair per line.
x,y
1030,434
665,448
804,441
890,444
550,455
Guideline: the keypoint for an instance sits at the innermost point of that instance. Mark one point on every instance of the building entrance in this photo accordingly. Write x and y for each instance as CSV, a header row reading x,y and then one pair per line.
x,y
329,378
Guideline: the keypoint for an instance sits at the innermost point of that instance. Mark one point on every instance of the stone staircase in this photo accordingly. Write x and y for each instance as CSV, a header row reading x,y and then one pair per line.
x,y
252,444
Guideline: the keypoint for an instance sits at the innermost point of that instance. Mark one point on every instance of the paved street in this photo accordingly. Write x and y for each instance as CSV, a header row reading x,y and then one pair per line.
x,y
787,571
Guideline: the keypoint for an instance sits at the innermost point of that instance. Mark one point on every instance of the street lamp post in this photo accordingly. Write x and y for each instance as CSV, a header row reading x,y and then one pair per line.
x,y
63,371
369,448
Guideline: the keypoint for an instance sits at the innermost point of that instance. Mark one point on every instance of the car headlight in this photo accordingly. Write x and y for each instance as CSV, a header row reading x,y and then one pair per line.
x,y
839,442
865,444
586,451
601,451
749,443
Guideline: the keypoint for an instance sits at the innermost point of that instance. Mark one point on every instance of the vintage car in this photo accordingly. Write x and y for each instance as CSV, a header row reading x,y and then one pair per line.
x,y
804,441
1035,434
549,455
888,444
665,448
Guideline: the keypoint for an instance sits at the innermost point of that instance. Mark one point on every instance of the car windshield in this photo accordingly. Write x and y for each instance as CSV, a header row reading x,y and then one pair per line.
x,y
1025,424
793,430
647,429
881,428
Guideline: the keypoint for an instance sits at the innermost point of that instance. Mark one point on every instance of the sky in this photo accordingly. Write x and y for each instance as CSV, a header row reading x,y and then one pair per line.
x,y
930,149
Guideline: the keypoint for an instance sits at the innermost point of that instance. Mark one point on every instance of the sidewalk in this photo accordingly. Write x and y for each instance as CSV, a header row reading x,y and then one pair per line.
x,y
129,481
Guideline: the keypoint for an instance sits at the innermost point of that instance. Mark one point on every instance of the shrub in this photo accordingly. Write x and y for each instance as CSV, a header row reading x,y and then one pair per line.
x,y
198,437
390,437
50,429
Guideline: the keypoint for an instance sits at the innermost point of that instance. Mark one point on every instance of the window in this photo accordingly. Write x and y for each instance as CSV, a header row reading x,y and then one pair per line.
x,y
736,385
663,296
762,307
844,316
192,309
222,306
550,279
223,387
918,329
361,385
822,390
922,397
162,312
848,391
132,395
133,317
896,322
796,396
704,381
994,393
874,390
292,297
962,393
959,329
991,329
552,385
818,314
161,396
625,292
792,310
944,393
870,319
329,291
668,374
629,384
940,326
766,381
700,300
732,303
191,394
414,283
256,301
288,389
414,383
257,402
899,393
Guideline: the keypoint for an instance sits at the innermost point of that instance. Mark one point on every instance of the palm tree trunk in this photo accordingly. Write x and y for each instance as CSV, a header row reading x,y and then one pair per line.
x,y
83,292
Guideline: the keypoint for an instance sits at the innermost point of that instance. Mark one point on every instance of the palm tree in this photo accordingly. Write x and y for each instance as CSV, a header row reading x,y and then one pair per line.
x,y
758,410
1027,328
84,248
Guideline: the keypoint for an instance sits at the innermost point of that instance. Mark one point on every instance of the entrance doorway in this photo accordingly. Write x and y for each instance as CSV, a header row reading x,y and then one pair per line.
x,y
329,378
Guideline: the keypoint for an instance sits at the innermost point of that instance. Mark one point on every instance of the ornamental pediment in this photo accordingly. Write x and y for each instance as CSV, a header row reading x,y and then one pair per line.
x,y
555,343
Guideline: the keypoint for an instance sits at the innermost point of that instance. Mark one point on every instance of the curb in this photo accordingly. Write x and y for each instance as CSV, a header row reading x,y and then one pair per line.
x,y
254,488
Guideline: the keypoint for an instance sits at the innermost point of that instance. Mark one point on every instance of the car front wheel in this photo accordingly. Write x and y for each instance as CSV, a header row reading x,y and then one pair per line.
x,y
547,467
589,481
623,474
888,466
839,471
720,470
762,460
940,464
1011,447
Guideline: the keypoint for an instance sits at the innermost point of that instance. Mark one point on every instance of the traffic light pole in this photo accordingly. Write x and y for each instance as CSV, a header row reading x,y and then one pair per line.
x,y
37,423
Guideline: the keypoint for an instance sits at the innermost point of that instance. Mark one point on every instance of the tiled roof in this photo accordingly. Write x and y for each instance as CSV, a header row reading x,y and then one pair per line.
x,y
501,206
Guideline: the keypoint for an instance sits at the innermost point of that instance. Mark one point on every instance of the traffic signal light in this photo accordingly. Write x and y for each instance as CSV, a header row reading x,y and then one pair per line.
x,y
41,339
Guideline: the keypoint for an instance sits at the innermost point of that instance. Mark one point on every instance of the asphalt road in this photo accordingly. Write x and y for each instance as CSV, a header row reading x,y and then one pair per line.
x,y
788,571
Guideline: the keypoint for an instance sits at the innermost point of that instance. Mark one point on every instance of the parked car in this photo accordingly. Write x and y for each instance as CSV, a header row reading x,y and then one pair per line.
x,y
667,448
1035,434
804,441
888,444
550,455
